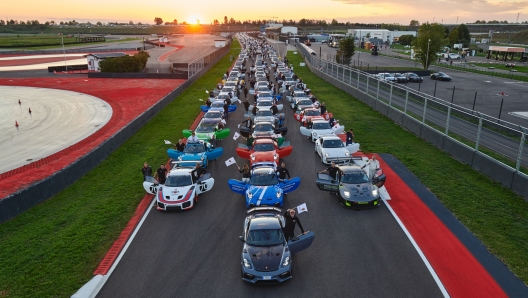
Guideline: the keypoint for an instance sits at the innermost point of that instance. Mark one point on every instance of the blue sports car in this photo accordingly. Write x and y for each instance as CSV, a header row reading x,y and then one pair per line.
x,y
264,187
218,105
196,153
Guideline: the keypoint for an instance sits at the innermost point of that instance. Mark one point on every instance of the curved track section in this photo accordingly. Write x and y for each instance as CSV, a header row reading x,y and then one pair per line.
x,y
57,120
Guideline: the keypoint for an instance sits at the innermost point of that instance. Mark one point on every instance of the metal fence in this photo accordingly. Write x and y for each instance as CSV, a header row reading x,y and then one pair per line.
x,y
199,63
500,140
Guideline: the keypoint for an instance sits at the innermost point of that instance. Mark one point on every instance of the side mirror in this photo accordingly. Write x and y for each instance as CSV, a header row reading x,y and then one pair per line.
x,y
241,238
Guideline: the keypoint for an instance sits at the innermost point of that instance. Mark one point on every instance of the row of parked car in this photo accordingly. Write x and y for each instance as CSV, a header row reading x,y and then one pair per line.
x,y
400,77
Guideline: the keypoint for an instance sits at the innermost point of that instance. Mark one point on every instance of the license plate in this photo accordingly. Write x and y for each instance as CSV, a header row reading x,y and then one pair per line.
x,y
266,277
362,203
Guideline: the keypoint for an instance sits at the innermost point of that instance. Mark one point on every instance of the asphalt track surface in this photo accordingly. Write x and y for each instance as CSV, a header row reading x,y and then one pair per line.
x,y
197,253
58,119
466,85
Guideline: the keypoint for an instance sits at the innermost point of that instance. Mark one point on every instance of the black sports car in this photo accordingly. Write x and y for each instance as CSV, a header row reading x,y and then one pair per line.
x,y
353,186
266,255
400,78
440,76
412,77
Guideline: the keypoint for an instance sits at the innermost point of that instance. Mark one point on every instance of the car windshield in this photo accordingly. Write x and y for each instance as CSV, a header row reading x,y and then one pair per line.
x,y
268,237
355,178
312,113
263,147
442,74
322,125
217,104
263,113
398,75
178,181
264,94
212,115
263,127
304,102
265,104
333,144
264,178
205,128
194,148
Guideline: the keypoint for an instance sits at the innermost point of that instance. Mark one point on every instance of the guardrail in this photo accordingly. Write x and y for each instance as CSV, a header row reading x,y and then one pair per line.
x,y
199,63
490,145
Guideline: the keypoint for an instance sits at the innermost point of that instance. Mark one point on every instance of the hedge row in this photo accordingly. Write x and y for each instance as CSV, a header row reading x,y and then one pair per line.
x,y
135,63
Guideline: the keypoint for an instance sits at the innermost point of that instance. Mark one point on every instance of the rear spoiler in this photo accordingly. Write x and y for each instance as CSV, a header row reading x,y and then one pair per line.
x,y
340,159
263,209
185,163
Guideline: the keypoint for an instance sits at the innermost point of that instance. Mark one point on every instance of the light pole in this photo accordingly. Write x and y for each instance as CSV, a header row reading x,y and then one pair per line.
x,y
64,52
427,56
359,46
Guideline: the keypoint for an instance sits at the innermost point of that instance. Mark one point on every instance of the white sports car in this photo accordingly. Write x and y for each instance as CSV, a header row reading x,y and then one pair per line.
x,y
266,105
319,128
331,149
180,191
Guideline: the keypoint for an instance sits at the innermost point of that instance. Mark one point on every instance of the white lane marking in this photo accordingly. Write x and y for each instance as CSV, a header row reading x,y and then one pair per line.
x,y
487,81
123,251
513,82
420,253
261,195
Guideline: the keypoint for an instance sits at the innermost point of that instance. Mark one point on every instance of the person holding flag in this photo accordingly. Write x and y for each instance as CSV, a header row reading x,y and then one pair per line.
x,y
290,220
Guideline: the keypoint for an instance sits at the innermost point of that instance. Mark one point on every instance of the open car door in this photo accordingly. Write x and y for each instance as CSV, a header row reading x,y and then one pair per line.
x,y
174,154
279,107
284,151
290,185
243,152
353,148
245,131
238,186
187,133
151,185
301,242
231,108
215,153
204,108
379,178
305,131
297,117
339,130
281,130
222,134
205,183
327,183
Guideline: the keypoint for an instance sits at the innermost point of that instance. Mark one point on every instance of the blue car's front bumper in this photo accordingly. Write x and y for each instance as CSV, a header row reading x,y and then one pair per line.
x,y
277,276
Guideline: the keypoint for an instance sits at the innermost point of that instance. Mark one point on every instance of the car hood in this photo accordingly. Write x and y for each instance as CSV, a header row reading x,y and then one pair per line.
x,y
193,156
264,156
336,152
263,195
359,192
173,194
266,258
264,119
321,132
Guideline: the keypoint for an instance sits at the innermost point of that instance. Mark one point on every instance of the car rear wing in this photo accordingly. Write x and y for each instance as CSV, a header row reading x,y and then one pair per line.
x,y
191,164
263,209
267,164
343,160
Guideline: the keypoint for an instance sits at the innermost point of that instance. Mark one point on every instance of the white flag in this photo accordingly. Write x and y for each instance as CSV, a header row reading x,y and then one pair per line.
x,y
239,126
302,208
230,161
167,142
200,99
206,91
336,127
223,121
236,136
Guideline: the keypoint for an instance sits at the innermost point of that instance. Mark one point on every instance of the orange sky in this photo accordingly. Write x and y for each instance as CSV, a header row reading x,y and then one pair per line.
x,y
363,11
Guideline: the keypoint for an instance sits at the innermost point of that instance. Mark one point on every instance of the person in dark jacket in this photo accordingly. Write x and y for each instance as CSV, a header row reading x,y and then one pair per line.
x,y
246,90
226,111
246,105
146,170
248,122
323,108
254,111
197,172
282,172
349,137
161,174
246,173
332,171
180,146
290,220
274,110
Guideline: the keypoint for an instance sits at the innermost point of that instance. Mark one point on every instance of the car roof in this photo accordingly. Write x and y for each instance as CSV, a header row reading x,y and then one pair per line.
x,y
349,168
263,141
180,172
264,222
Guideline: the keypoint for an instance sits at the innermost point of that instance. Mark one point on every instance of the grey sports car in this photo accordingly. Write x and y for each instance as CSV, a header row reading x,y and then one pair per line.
x,y
266,255
353,187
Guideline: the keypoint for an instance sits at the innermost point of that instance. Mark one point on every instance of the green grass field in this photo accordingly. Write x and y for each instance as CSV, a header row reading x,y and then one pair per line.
x,y
497,216
41,41
519,67
53,249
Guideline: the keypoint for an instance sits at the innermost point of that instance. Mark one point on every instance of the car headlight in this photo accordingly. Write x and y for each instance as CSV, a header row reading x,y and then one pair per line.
x,y
247,264
275,157
346,193
286,262
252,157
278,194
180,157
203,157
314,134
326,154
347,154
250,195
375,192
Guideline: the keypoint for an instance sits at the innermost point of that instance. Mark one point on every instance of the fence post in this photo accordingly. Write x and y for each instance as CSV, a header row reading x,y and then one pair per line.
x,y
390,97
424,111
357,88
366,89
377,91
478,131
448,118
350,78
406,101
521,147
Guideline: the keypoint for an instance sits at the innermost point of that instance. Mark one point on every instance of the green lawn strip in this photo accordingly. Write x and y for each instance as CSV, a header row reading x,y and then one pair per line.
x,y
66,45
496,215
53,249
502,66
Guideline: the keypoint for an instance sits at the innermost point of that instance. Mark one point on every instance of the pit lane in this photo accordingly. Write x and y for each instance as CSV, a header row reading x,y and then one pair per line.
x,y
197,253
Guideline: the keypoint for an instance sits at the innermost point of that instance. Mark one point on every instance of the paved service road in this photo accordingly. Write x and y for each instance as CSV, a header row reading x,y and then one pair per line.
x,y
58,119
197,253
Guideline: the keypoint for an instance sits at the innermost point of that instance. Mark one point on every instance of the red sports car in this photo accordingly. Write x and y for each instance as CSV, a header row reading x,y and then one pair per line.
x,y
264,150
312,113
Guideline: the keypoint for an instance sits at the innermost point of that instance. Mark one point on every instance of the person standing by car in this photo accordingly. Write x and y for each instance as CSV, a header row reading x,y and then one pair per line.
x,y
161,174
146,170
180,146
290,220
349,137
282,172
246,173
192,139
373,165
248,122
332,171
197,172
246,105
226,111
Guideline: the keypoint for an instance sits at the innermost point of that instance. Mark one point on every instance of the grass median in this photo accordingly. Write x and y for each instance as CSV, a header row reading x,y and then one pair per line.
x,y
54,248
496,215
